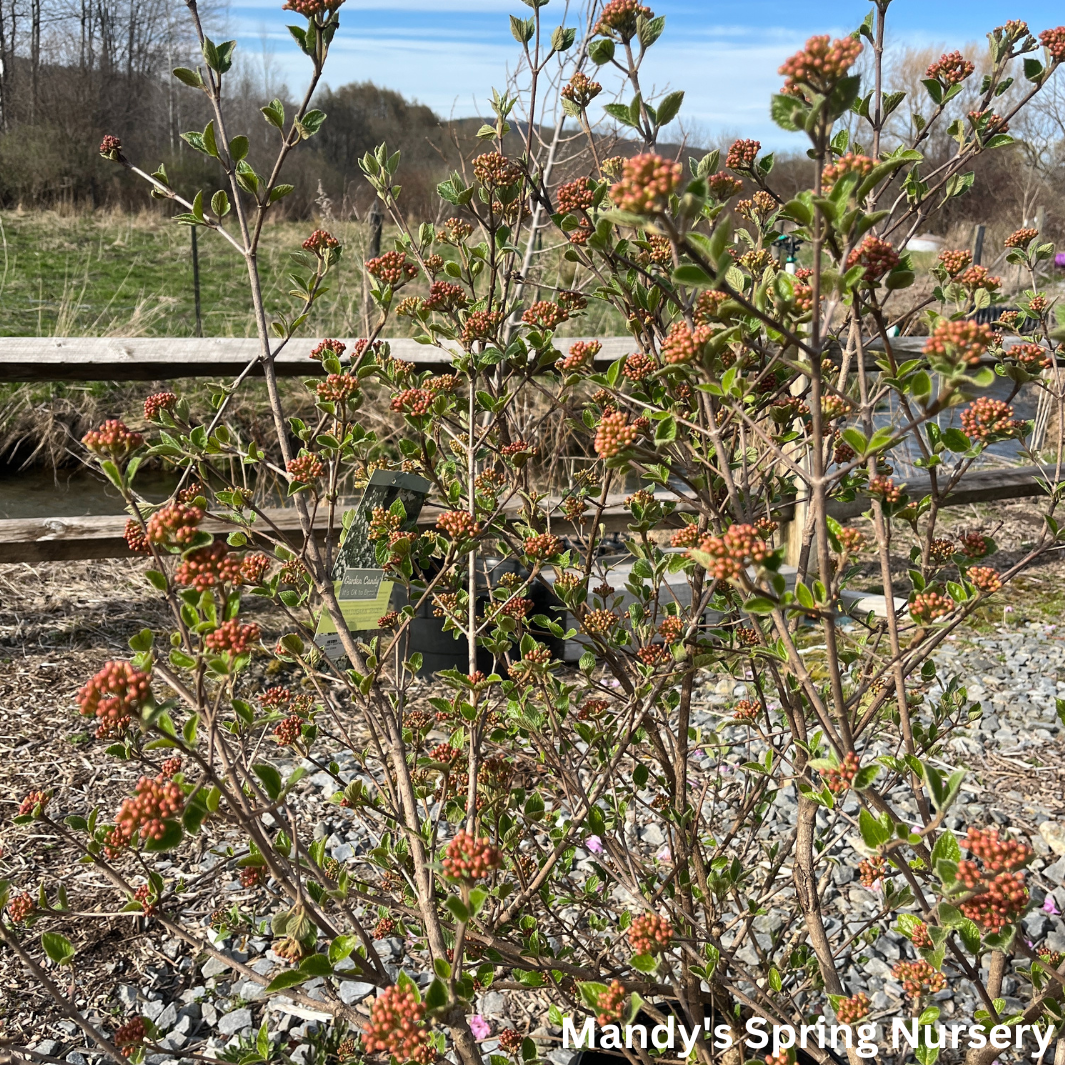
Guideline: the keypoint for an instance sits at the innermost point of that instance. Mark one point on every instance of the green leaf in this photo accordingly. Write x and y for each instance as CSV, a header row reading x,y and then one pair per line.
x,y
270,778
311,123
274,113
220,203
173,834
341,947
58,948
644,963
693,276
669,107
316,965
192,78
457,908
874,832
238,148
290,978
436,995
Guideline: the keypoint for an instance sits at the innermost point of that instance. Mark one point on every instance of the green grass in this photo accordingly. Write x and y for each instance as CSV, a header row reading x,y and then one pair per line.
x,y
111,274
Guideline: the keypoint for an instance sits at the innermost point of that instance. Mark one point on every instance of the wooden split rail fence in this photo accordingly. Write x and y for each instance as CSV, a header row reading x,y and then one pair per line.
x,y
30,359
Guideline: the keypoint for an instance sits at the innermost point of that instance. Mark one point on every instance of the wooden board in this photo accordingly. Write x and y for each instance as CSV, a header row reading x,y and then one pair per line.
x,y
170,358
66,539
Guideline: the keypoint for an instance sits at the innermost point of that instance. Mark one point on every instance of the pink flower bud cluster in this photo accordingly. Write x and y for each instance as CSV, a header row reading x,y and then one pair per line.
x,y
232,637
1053,41
918,978
955,261
542,547
110,146
397,1026
170,767
620,17
495,170
328,349
851,540
575,196
951,68
311,8
1021,238
846,164
320,242
130,1035
143,814
21,907
974,545
852,1010
392,268
209,566
820,64
287,732
872,870
742,154
639,366
599,622
985,579
986,417
135,537
978,277
926,607
415,401
746,711
117,692
545,315
581,353
174,524
941,550
305,469
581,90
647,182
481,325
614,434
740,547
611,1003
671,628
999,901
470,858
338,388
997,854
112,440
32,800
156,402
444,296
253,568
876,255
683,343
963,342
921,937
649,933
458,524
839,780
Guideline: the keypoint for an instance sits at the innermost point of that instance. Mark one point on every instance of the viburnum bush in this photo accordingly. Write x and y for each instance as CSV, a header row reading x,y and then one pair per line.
x,y
504,822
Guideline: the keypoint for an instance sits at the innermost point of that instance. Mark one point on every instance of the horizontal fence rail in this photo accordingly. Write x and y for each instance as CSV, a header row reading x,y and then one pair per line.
x,y
68,539
31,359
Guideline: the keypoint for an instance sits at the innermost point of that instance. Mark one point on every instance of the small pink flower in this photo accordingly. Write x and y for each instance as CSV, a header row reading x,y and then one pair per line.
x,y
480,1027
664,855
1050,906
595,845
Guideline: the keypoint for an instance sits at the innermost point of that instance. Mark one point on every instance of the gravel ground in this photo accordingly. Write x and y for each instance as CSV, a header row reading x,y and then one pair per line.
x,y
58,622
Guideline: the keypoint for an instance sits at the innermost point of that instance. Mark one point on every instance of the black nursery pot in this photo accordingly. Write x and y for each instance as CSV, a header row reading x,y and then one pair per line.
x,y
450,650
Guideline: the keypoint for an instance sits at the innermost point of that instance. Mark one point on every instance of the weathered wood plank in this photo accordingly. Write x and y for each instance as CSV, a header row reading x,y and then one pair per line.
x,y
68,539
171,358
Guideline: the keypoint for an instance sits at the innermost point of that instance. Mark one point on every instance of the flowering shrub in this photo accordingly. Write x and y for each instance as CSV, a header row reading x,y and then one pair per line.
x,y
498,812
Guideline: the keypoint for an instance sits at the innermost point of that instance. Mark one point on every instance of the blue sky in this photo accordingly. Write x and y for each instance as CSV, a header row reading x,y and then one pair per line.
x,y
449,53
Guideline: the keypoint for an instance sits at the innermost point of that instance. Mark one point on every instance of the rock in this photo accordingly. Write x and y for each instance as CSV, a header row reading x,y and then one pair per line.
x,y
76,1058
127,995
46,1047
209,1014
1053,833
152,1010
493,1004
653,835
168,1018
352,991
234,1022
1056,872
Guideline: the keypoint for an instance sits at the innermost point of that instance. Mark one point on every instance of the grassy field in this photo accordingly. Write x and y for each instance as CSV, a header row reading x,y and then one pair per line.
x,y
131,275
112,274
